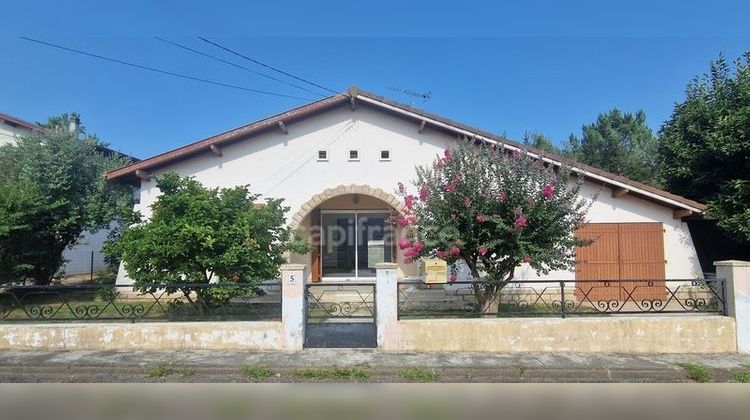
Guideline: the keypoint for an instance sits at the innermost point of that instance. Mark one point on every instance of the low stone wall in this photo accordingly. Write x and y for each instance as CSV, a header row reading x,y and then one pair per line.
x,y
624,334
255,335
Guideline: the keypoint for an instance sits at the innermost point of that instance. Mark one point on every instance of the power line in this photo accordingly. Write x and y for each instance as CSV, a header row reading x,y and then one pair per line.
x,y
266,65
235,65
170,73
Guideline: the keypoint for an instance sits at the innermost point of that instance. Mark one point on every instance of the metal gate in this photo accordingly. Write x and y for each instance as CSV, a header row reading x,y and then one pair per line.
x,y
340,315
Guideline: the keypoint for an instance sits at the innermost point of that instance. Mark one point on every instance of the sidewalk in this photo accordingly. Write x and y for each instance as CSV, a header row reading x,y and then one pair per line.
x,y
212,366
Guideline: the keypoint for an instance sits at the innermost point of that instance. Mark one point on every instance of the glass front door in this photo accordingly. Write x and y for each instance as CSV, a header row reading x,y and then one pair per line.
x,y
352,242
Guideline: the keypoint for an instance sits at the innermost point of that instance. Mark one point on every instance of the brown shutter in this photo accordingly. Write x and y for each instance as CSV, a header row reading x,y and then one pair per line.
x,y
315,241
642,258
598,261
394,244
621,251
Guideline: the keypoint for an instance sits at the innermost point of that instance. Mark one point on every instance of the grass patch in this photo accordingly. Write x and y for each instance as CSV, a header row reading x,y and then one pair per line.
x,y
360,373
257,373
742,377
418,374
161,370
185,372
696,372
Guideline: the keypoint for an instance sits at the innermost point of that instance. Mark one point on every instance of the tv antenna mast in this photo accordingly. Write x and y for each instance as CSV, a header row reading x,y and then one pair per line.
x,y
426,96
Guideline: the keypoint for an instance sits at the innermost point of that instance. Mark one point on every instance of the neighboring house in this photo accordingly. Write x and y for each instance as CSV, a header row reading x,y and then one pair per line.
x,y
86,255
337,162
12,127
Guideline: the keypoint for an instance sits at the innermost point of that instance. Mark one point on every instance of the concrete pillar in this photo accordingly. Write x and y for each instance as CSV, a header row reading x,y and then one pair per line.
x,y
737,276
386,301
293,306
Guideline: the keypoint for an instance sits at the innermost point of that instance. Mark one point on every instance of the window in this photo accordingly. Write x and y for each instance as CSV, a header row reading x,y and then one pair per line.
x,y
354,155
385,155
322,155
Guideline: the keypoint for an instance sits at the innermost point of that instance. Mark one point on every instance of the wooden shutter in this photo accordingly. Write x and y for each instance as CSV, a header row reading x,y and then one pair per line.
x,y
315,229
621,251
598,261
642,258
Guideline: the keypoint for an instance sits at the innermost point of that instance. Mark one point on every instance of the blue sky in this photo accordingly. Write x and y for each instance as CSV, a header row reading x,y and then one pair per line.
x,y
506,68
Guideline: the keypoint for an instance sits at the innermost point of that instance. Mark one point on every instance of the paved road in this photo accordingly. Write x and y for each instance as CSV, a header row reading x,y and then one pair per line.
x,y
213,366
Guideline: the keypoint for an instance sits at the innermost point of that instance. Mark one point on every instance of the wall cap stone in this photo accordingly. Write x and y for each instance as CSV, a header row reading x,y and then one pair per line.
x,y
386,266
293,267
731,263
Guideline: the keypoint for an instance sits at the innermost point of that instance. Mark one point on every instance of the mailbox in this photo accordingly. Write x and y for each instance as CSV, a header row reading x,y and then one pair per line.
x,y
436,271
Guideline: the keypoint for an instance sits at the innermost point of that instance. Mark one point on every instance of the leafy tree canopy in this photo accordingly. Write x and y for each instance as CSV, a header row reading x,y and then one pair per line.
x,y
52,191
539,141
705,145
197,234
620,143
493,211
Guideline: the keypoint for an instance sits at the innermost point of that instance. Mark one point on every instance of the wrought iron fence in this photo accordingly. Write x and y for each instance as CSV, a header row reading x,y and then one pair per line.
x,y
350,301
162,302
536,298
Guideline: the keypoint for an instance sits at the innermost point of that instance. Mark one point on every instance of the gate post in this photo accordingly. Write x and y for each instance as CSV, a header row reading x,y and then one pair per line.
x,y
737,277
386,305
293,306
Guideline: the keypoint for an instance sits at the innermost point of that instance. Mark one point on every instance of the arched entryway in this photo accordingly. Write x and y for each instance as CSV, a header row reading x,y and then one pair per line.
x,y
350,229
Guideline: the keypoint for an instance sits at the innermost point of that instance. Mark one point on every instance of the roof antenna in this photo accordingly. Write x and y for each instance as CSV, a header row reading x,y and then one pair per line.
x,y
414,95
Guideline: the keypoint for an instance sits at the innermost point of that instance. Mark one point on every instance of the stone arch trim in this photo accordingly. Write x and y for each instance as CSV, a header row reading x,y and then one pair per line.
x,y
329,193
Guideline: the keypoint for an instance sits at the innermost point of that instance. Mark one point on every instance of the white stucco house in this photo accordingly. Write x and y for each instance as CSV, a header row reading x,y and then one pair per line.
x,y
86,255
336,162
13,127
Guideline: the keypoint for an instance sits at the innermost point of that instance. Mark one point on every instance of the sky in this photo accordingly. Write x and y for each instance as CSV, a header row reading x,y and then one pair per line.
x,y
508,68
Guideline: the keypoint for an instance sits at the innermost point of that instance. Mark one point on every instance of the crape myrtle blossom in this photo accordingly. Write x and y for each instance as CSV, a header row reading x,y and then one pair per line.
x,y
409,202
548,192
491,211
450,187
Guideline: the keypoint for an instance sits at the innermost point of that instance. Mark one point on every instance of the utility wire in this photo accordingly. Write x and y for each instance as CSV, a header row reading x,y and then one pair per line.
x,y
156,70
236,65
266,65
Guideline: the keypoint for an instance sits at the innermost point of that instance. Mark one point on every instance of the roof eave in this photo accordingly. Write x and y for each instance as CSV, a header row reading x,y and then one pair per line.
x,y
127,173
235,134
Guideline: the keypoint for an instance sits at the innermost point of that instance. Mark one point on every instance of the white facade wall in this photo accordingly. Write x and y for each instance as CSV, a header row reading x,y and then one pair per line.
x,y
8,133
286,166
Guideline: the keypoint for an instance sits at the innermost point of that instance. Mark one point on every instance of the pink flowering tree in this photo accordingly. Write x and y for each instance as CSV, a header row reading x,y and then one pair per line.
x,y
493,211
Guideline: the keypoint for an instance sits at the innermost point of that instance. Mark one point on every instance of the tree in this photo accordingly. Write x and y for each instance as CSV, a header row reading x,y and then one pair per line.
x,y
620,143
705,145
493,211
540,141
54,190
196,235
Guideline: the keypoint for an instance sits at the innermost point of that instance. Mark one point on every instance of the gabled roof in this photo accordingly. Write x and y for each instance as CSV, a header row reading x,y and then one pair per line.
x,y
354,97
17,122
